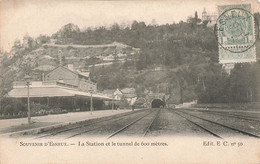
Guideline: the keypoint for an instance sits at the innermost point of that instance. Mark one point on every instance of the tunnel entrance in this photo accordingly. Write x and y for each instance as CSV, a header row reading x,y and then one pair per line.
x,y
157,103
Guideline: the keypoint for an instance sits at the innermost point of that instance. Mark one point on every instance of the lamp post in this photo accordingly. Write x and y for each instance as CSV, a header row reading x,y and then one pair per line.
x,y
91,102
27,83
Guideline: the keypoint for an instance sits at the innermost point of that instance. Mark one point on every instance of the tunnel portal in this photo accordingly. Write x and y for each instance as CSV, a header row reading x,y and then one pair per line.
x,y
157,103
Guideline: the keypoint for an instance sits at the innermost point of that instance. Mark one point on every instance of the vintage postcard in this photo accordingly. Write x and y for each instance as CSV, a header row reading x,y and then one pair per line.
x,y
129,81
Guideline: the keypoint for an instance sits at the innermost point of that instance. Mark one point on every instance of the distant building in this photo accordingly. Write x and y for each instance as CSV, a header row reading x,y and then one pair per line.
x,y
53,41
109,92
109,58
131,98
118,94
210,17
115,94
69,76
228,67
129,94
126,93
121,55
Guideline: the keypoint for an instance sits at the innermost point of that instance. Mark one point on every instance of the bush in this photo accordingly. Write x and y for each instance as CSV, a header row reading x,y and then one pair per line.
x,y
10,106
123,103
37,107
58,111
17,108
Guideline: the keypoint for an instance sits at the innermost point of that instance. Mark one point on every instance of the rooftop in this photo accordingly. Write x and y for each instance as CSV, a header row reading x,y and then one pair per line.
x,y
50,89
128,90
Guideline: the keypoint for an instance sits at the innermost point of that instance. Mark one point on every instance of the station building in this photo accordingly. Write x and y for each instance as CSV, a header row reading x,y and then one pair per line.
x,y
62,87
68,76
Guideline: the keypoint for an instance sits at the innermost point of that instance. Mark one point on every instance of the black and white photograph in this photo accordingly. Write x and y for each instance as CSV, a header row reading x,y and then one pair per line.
x,y
124,81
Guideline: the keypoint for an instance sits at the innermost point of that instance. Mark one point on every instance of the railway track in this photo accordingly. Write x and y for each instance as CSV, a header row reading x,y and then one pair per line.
x,y
249,118
234,116
98,127
139,123
153,118
150,125
61,130
231,128
233,113
202,127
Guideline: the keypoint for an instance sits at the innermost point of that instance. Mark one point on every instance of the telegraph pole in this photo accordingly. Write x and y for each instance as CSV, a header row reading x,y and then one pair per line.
x,y
27,83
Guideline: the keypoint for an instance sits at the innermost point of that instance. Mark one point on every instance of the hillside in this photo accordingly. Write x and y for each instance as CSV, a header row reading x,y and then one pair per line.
x,y
177,59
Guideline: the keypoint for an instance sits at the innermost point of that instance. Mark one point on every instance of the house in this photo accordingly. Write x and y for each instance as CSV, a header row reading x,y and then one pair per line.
x,y
53,41
129,95
210,17
109,58
121,55
109,92
115,94
131,98
118,94
126,93
69,76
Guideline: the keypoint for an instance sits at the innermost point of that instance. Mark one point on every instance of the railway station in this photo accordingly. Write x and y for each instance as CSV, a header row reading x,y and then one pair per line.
x,y
64,88
54,93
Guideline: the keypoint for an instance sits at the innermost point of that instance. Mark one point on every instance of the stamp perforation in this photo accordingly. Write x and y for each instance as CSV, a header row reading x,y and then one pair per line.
x,y
240,18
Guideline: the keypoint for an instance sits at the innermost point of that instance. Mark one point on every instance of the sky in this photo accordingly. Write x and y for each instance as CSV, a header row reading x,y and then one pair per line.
x,y
18,17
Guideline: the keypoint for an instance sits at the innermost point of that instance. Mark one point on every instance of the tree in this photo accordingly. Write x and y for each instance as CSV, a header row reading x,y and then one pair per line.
x,y
17,43
28,42
138,26
115,27
243,83
154,23
143,61
194,21
42,39
67,31
177,54
205,23
196,16
211,87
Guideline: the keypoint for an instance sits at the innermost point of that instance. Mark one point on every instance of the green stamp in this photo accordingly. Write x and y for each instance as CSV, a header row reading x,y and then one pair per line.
x,y
236,34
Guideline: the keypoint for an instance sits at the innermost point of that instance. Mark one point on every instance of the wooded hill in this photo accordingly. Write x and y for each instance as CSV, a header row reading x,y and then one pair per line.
x,y
179,59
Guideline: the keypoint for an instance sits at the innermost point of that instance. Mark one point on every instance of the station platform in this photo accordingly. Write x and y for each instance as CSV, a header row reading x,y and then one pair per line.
x,y
19,125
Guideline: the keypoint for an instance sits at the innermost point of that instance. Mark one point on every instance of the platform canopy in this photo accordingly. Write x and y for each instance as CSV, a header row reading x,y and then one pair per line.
x,y
56,91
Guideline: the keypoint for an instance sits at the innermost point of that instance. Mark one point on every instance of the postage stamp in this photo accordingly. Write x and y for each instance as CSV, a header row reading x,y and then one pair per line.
x,y
236,34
